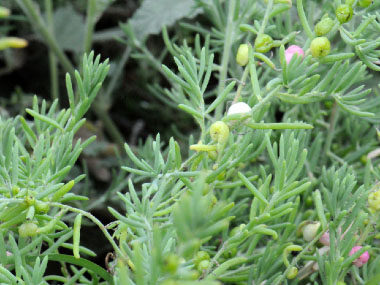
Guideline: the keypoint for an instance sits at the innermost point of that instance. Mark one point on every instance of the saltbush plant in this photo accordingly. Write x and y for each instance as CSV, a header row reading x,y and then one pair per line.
x,y
278,184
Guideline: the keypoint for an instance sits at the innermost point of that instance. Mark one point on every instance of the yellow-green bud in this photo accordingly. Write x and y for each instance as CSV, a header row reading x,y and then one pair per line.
x,y
203,265
344,13
263,43
350,2
4,12
242,55
365,3
324,26
292,273
230,253
374,201
219,132
28,230
171,263
310,231
30,200
320,47
42,207
200,256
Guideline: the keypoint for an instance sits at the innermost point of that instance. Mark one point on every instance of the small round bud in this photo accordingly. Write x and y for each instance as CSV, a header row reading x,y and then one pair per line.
x,y
4,12
263,43
30,200
28,230
203,265
365,3
230,253
221,176
200,256
291,51
292,273
236,230
42,207
171,263
320,47
239,108
374,201
344,13
359,262
324,26
325,239
212,154
310,231
242,55
219,132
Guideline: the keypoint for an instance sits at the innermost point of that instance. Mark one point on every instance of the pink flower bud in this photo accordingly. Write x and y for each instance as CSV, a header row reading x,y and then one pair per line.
x,y
290,51
325,239
362,259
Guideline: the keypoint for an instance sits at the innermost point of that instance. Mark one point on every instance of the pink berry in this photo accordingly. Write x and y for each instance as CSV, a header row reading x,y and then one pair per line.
x,y
362,259
325,239
290,51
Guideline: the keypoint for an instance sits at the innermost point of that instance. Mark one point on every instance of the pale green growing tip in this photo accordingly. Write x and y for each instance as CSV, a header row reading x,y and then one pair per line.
x,y
12,42
365,3
242,55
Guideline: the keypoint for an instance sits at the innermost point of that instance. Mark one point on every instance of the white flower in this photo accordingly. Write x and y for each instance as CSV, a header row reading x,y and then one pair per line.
x,y
239,108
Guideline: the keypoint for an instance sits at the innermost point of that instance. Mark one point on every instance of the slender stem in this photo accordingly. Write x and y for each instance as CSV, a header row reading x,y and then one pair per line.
x,y
52,58
268,10
368,228
41,27
297,258
229,35
90,23
303,19
109,125
94,220
330,135
241,85
117,73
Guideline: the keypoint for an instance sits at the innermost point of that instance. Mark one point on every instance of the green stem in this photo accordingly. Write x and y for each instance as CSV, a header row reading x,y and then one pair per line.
x,y
297,258
242,84
268,10
110,126
330,135
52,58
41,27
94,220
230,30
90,23
117,73
368,228
304,22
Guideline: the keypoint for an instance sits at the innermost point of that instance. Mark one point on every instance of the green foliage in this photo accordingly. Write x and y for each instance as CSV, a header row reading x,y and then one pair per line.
x,y
227,202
